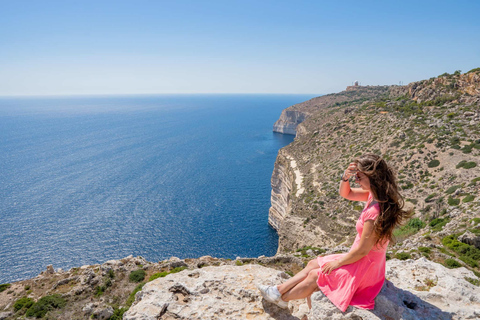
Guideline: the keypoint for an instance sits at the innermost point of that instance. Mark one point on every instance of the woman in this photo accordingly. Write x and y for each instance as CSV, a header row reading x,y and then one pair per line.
x,y
354,278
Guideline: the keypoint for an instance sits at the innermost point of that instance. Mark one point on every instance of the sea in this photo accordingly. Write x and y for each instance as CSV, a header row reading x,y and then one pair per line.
x,y
87,179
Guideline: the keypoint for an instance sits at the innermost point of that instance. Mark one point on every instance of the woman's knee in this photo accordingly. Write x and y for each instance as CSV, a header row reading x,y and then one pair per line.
x,y
313,264
312,275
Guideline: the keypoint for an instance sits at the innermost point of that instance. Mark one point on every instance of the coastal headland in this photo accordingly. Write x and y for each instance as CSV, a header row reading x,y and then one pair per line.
x,y
428,130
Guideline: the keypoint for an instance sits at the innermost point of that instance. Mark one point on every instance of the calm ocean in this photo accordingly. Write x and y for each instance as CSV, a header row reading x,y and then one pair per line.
x,y
89,179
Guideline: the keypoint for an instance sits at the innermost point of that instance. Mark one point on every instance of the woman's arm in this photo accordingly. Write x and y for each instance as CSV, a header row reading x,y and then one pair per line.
x,y
355,194
366,244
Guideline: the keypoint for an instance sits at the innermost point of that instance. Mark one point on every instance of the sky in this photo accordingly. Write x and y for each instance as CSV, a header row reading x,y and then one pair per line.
x,y
176,46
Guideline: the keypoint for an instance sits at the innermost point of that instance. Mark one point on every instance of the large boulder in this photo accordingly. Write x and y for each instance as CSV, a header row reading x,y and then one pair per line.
x,y
470,238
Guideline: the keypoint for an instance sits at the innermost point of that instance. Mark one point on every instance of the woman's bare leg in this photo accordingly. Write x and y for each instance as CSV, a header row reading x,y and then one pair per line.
x,y
299,277
303,289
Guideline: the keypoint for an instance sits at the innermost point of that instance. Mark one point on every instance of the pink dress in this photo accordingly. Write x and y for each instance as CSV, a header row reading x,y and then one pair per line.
x,y
358,283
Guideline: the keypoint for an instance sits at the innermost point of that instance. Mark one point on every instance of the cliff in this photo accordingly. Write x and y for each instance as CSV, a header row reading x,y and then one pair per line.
x,y
296,114
428,130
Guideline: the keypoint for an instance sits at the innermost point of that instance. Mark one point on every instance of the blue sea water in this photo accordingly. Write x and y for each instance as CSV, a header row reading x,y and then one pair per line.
x,y
89,179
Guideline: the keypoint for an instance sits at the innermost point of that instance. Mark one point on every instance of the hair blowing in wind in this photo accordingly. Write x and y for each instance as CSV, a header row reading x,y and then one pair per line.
x,y
384,188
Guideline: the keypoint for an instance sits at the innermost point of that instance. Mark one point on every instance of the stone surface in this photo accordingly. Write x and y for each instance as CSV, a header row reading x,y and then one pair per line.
x,y
415,289
470,238
226,292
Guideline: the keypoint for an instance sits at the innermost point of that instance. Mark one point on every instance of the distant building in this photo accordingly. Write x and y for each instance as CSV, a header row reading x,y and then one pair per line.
x,y
355,86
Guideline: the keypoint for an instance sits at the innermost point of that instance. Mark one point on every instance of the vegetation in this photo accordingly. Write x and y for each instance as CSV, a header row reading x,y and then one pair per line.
x,y
118,313
403,256
468,254
40,308
466,165
165,273
412,227
438,224
475,282
453,202
23,303
452,189
137,275
131,297
4,286
433,163
474,70
452,263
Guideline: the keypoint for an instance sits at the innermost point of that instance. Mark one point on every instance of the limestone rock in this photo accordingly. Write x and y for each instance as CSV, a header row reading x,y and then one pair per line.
x,y
225,292
102,313
5,315
50,269
470,238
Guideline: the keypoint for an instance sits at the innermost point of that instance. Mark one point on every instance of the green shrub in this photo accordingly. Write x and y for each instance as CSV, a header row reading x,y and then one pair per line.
x,y
452,263
472,263
137,275
239,263
131,297
158,275
439,223
403,256
430,197
414,201
4,286
466,165
452,189
433,163
23,303
424,249
410,228
165,273
468,198
474,181
468,254
460,164
40,308
118,313
475,282
453,202
111,274
475,220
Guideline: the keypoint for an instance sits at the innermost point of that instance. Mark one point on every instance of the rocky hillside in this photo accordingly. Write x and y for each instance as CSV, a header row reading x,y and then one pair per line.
x,y
428,130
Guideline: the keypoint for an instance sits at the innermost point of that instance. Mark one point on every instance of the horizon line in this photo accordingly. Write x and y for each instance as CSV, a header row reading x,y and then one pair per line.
x,y
150,94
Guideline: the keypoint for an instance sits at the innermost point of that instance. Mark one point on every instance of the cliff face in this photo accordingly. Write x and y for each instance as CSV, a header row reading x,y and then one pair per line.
x,y
282,179
288,121
428,130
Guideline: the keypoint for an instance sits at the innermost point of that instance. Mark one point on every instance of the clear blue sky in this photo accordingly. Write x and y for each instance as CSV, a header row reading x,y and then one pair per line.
x,y
176,46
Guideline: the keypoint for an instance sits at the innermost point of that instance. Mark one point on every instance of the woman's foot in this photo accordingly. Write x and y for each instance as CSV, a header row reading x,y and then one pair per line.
x,y
271,294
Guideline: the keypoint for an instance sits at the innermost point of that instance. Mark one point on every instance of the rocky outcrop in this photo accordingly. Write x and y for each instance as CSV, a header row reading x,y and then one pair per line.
x,y
226,292
470,238
288,121
415,289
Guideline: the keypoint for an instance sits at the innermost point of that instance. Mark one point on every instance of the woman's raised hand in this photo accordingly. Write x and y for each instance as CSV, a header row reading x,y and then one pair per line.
x,y
351,170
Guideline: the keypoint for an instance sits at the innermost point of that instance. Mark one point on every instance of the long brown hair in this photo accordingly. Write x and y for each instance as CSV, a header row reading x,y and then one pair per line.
x,y
384,189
